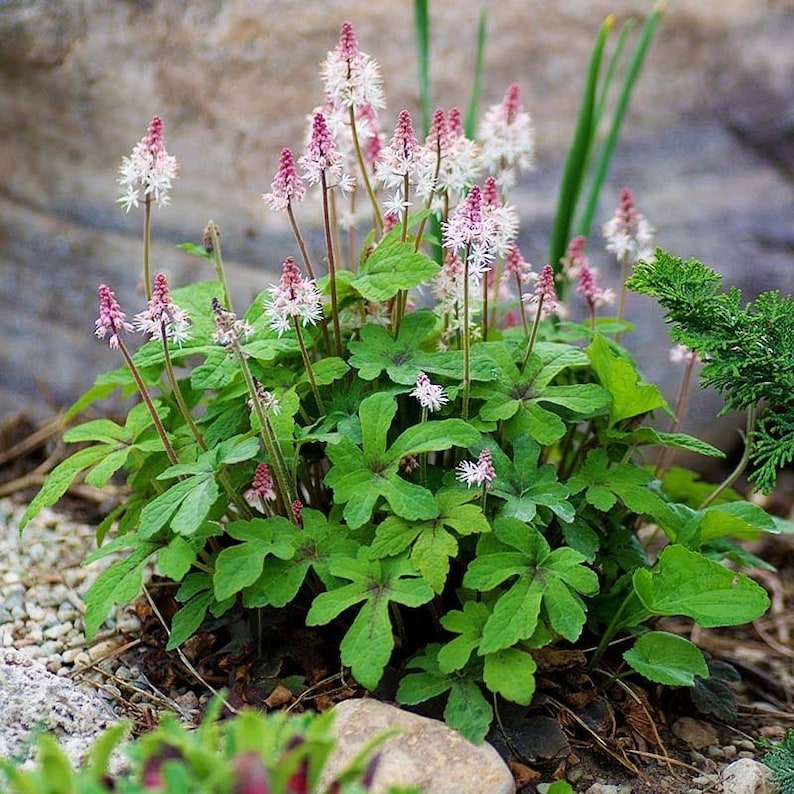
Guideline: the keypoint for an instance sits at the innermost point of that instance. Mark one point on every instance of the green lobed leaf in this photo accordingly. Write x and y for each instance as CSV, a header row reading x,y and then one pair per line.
x,y
60,478
630,395
196,504
176,559
118,584
468,623
686,583
514,617
102,430
107,467
431,554
667,659
368,643
187,620
742,520
510,672
467,711
157,513
391,267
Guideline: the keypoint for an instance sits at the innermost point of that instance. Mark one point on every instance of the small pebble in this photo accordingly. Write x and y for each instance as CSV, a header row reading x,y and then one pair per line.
x,y
102,649
54,632
729,751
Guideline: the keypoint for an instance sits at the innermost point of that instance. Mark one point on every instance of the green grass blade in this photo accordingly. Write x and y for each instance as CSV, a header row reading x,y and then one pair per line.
x,y
598,113
605,157
573,173
422,36
603,92
470,126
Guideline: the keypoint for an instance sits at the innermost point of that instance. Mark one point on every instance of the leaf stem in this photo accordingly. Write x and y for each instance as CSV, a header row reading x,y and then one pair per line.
x,y
307,362
218,260
144,392
147,229
268,437
364,175
466,340
223,476
329,244
752,416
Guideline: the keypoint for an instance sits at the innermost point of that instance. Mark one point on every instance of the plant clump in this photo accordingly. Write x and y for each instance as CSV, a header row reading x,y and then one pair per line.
x,y
413,429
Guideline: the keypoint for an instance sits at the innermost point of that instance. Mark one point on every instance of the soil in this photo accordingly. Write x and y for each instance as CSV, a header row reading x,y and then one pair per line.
x,y
589,726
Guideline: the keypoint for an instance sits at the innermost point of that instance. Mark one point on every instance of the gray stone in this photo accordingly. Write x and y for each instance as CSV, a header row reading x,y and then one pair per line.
x,y
608,788
425,753
746,776
32,700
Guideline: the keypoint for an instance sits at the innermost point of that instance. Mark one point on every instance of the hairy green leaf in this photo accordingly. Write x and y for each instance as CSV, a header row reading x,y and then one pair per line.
x,y
667,659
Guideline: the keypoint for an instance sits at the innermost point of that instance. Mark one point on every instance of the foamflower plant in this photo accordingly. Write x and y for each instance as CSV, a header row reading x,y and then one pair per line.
x,y
385,439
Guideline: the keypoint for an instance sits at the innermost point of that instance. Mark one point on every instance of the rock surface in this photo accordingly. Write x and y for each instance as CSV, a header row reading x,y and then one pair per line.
x,y
746,776
425,753
707,145
33,700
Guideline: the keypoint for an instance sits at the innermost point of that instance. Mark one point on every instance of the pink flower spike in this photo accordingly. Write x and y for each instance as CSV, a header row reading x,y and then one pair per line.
x,y
507,138
348,45
321,154
111,319
628,234
455,123
437,135
545,296
287,186
261,489
516,267
297,510
351,77
511,104
465,225
265,399
429,395
229,331
490,193
479,473
575,258
162,313
149,170
293,297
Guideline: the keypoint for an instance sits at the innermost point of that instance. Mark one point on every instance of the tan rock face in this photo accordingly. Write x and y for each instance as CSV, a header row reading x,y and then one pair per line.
x,y
234,80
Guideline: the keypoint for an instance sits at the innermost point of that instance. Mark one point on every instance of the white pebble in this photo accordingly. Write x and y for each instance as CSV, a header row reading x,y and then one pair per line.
x,y
35,634
58,630
82,659
70,655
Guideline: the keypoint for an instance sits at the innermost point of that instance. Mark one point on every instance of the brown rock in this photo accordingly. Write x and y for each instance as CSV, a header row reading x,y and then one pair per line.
x,y
695,733
425,753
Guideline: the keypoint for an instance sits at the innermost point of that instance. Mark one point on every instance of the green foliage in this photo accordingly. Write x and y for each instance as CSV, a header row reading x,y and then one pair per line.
x,y
253,752
374,469
780,759
747,349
